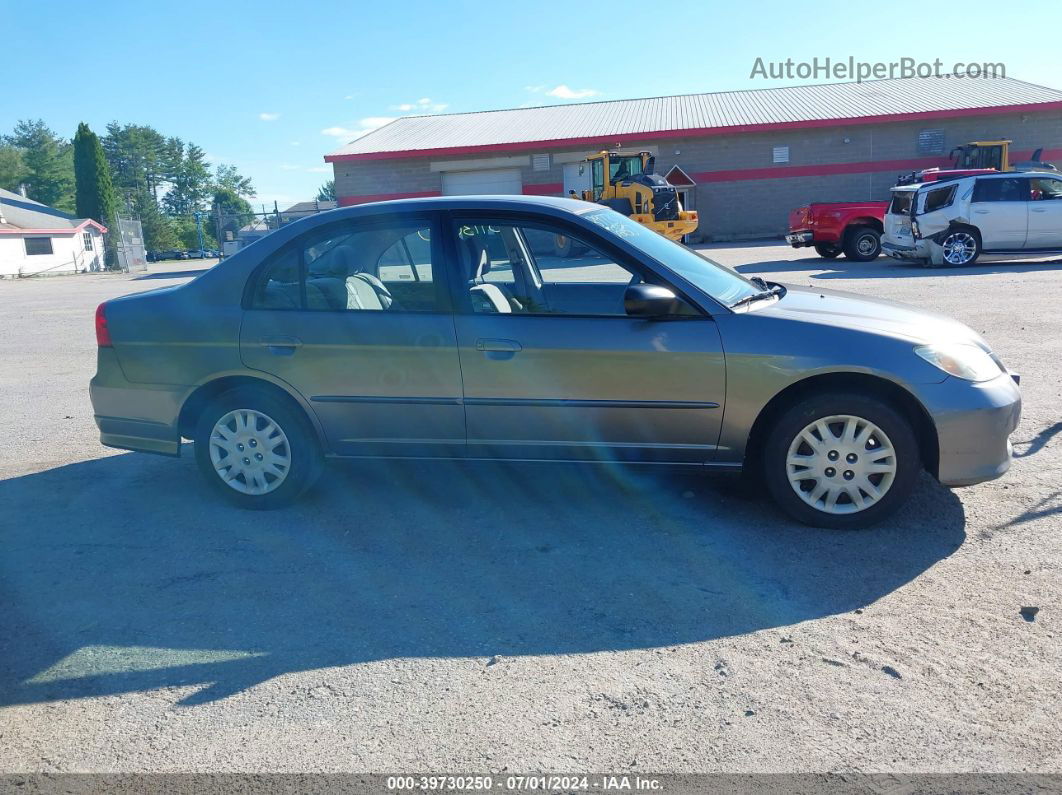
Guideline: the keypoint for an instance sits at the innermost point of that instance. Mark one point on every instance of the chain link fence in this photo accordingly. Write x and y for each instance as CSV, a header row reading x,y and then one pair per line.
x,y
235,231
128,238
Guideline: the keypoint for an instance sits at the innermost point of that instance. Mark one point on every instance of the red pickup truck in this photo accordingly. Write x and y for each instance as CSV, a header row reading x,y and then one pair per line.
x,y
832,227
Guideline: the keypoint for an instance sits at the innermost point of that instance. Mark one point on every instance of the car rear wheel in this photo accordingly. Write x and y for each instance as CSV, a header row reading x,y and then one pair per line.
x,y
827,250
257,450
862,243
841,461
961,247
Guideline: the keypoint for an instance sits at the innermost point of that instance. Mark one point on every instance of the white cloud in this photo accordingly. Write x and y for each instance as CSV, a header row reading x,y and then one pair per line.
x,y
296,143
423,106
268,116
364,126
563,92
289,167
320,169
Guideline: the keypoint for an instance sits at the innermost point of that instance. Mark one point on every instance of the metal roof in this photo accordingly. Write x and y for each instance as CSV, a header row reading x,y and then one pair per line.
x,y
692,114
18,212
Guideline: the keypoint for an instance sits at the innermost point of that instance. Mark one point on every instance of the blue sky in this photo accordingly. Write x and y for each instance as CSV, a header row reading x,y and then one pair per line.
x,y
273,86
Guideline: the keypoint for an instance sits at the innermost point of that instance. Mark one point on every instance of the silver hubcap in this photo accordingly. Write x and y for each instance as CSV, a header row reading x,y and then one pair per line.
x,y
841,464
959,248
866,244
250,452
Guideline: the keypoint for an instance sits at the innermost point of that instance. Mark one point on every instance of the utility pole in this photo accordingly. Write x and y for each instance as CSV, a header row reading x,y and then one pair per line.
x,y
199,227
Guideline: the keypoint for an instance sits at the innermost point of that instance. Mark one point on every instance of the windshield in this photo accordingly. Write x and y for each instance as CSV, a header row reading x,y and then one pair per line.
x,y
721,283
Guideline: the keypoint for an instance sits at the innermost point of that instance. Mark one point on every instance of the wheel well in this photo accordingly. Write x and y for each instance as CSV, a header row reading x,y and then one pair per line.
x,y
202,396
870,385
873,223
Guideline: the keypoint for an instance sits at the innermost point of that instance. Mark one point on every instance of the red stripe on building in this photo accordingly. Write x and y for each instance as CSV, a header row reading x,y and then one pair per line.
x,y
347,201
544,189
830,169
622,139
745,174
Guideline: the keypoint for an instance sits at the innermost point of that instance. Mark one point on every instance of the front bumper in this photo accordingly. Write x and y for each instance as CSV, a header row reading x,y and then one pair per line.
x,y
974,423
799,239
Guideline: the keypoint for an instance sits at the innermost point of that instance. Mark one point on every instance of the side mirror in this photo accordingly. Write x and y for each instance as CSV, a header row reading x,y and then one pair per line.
x,y
652,300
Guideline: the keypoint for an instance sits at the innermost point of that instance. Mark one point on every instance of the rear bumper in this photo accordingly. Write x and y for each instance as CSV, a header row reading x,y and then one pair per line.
x,y
130,416
974,423
904,251
800,238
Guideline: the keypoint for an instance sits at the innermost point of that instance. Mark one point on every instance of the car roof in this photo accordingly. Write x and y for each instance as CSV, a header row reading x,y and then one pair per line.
x,y
479,202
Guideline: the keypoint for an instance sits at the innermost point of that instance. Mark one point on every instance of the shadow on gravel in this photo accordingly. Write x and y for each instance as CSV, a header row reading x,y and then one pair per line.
x,y
126,574
884,268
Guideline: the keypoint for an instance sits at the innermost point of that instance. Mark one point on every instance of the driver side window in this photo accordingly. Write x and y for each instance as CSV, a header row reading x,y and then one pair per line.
x,y
533,269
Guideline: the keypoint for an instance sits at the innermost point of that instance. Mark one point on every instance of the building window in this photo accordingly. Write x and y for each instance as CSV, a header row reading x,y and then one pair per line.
x,y
931,142
780,154
88,241
38,245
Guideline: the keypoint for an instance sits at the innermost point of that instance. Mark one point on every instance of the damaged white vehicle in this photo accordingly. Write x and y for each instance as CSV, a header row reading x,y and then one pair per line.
x,y
953,222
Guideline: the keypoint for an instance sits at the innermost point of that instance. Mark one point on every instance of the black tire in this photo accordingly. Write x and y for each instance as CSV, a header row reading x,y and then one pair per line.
x,y
302,447
954,234
796,418
827,250
862,243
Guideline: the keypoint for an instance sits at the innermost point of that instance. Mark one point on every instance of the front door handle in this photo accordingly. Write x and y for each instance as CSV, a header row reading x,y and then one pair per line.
x,y
498,345
281,346
981,212
1038,210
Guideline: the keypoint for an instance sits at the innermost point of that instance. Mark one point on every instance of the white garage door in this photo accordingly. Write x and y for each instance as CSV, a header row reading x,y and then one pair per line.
x,y
495,180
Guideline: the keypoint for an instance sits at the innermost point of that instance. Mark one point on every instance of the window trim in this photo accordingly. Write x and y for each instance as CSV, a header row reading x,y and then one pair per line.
x,y
439,264
462,303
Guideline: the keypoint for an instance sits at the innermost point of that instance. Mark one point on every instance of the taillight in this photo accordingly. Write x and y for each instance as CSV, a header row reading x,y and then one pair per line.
x,y
103,334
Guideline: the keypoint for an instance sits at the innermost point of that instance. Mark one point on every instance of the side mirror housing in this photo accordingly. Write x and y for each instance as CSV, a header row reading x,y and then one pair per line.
x,y
652,300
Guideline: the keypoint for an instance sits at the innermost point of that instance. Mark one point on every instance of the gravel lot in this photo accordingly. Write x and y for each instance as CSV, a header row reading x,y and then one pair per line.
x,y
470,617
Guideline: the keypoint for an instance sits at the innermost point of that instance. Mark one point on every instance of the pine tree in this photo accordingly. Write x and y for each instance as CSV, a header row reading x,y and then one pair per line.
x,y
94,191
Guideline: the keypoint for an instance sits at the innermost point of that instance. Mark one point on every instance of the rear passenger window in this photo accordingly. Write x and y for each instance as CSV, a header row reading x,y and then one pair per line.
x,y
350,267
942,197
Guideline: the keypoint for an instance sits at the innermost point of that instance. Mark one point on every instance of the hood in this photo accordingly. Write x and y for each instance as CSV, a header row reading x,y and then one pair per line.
x,y
872,315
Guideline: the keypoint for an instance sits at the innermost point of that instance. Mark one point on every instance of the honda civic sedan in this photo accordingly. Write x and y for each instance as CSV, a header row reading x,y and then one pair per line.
x,y
456,328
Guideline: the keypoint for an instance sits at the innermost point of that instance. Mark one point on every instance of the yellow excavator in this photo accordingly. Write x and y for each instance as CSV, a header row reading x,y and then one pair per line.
x,y
625,182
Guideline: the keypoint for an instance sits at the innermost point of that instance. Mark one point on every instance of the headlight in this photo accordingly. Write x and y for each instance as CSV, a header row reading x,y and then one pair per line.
x,y
962,361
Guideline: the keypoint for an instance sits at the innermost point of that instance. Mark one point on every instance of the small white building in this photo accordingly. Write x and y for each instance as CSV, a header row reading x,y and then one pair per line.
x,y
38,239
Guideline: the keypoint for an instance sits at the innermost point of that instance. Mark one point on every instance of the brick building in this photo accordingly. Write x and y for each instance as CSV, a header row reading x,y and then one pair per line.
x,y
743,159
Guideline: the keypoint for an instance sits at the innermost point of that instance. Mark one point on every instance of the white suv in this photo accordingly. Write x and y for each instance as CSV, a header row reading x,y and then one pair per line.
x,y
953,222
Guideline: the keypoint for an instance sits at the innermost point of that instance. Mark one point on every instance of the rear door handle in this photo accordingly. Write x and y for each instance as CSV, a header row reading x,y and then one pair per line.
x,y
1038,210
281,346
981,212
498,345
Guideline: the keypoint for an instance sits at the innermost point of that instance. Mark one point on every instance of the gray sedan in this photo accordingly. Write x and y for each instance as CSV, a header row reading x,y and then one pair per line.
x,y
457,328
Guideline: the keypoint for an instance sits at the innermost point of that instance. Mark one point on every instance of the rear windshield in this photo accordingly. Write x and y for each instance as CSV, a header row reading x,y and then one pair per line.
x,y
901,202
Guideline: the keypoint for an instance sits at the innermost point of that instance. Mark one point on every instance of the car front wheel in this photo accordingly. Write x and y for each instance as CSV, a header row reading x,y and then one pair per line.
x,y
841,460
258,451
827,250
